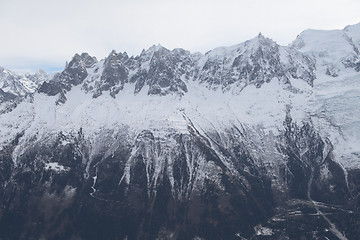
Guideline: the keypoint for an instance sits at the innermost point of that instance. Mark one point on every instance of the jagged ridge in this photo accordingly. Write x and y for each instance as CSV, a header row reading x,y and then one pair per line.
x,y
168,72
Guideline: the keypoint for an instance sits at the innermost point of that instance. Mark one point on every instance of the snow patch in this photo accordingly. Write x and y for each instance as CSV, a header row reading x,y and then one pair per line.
x,y
263,231
56,167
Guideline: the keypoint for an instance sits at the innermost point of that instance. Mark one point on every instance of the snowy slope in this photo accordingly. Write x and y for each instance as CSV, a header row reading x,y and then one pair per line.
x,y
334,50
353,32
335,100
334,107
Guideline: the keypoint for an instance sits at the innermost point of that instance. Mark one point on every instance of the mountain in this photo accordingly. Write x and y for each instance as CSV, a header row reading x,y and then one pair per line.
x,y
335,98
21,84
14,87
334,50
252,141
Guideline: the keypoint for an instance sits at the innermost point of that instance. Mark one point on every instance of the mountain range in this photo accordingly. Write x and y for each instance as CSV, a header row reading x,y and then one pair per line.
x,y
251,141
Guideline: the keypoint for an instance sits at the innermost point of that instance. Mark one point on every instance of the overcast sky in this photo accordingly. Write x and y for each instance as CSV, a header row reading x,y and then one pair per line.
x,y
47,33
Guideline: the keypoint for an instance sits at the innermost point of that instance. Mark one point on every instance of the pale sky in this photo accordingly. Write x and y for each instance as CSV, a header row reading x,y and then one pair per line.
x,y
46,33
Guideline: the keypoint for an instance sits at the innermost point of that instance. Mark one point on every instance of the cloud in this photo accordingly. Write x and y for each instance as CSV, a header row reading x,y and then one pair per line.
x,y
50,32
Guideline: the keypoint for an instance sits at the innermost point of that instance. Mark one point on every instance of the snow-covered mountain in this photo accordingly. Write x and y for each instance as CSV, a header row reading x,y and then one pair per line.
x,y
14,87
21,84
255,140
335,96
334,50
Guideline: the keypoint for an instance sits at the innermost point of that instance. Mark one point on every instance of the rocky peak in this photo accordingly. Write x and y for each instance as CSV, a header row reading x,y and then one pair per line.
x,y
259,61
158,68
73,75
255,61
114,75
147,55
84,60
260,41
14,87
20,84
39,77
114,57
157,49
162,70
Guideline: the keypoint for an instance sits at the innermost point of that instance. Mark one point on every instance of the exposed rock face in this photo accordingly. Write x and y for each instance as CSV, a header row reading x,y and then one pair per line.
x,y
245,142
6,97
163,71
255,62
73,75
189,188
